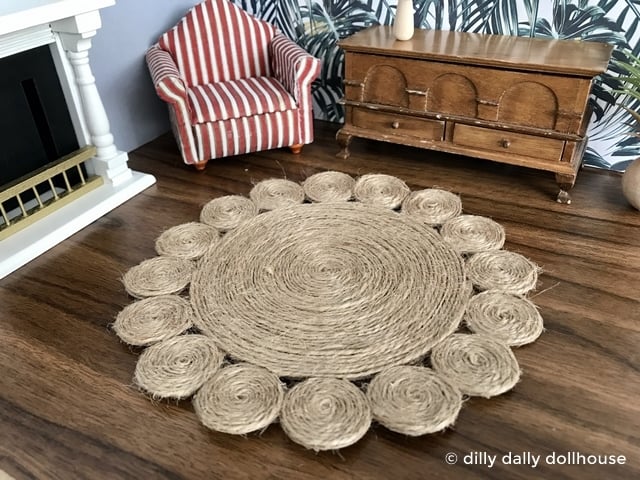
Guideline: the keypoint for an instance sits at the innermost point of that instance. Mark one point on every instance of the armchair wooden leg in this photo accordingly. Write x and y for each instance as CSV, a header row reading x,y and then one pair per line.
x,y
200,165
296,148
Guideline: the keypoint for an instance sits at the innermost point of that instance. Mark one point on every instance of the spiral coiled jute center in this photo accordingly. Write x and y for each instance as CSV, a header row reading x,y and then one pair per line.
x,y
380,189
153,319
501,270
325,414
413,400
329,187
177,367
226,213
276,193
514,320
432,206
189,240
472,234
477,364
158,276
239,399
342,290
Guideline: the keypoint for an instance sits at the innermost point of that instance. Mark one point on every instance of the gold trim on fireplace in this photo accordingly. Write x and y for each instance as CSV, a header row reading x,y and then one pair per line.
x,y
41,184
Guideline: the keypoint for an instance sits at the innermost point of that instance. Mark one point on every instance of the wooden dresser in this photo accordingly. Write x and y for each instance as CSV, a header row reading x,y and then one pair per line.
x,y
516,100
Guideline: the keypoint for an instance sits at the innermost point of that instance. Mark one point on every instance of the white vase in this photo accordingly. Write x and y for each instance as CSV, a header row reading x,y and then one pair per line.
x,y
403,23
631,183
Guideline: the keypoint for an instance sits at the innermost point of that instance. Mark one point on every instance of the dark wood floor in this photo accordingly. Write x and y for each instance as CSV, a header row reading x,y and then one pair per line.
x,y
68,409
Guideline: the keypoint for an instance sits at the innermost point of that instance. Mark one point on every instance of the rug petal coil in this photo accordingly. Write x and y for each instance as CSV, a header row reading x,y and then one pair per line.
x,y
325,414
380,189
432,206
177,367
226,213
329,187
512,319
189,240
413,400
153,319
276,193
477,364
239,399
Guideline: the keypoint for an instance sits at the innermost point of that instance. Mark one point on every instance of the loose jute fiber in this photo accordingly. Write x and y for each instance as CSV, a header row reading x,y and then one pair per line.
x,y
158,276
226,213
335,291
189,240
477,364
239,399
473,234
325,414
380,189
177,367
153,319
514,320
319,285
432,206
501,270
413,400
276,193
329,187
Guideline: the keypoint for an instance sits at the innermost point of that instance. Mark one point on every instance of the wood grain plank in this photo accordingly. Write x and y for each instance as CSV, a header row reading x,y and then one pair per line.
x,y
68,409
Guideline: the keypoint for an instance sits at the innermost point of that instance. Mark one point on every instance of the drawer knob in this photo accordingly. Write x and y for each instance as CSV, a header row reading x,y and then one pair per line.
x,y
505,143
395,124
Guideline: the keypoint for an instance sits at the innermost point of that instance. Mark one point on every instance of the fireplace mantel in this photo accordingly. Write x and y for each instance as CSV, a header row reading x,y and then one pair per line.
x,y
68,26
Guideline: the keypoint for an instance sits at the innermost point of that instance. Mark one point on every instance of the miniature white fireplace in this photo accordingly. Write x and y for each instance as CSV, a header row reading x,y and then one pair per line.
x,y
67,27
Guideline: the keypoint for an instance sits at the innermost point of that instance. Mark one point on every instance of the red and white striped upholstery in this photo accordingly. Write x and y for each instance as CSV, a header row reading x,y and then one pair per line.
x,y
233,83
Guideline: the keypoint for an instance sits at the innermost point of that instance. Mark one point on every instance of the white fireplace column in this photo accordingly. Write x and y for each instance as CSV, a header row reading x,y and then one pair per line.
x,y
75,34
68,26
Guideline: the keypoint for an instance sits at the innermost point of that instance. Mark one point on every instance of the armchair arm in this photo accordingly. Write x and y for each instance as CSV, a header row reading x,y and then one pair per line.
x,y
165,75
171,88
294,67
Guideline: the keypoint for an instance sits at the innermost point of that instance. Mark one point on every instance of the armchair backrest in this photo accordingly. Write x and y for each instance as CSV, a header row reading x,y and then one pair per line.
x,y
218,41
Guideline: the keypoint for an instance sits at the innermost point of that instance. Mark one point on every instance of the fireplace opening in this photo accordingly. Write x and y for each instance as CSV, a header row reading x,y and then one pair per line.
x,y
36,132
35,125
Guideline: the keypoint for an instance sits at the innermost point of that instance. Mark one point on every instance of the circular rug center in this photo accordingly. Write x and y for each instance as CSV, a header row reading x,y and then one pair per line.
x,y
329,290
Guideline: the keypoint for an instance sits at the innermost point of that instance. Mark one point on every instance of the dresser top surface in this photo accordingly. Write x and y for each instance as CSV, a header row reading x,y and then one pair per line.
x,y
567,57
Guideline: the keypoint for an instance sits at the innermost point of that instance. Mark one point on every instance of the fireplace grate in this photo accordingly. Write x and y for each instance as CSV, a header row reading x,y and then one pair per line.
x,y
28,199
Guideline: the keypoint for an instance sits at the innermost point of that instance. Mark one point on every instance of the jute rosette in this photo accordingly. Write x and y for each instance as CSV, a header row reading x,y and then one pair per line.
x,y
329,187
477,364
512,319
413,400
276,193
325,414
226,213
158,276
380,189
177,367
472,234
153,319
336,290
239,399
189,240
502,270
432,206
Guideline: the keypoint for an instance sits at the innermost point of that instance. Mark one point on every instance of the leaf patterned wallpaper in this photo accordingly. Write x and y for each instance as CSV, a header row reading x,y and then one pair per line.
x,y
317,25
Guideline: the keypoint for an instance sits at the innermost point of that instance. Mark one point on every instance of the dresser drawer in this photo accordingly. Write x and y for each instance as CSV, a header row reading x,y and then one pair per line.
x,y
396,124
508,142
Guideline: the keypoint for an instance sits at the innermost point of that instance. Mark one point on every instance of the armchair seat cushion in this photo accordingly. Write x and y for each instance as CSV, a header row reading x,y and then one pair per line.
x,y
238,98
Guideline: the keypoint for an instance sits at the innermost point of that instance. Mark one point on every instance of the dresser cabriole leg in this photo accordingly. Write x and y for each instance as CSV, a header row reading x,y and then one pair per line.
x,y
565,182
344,139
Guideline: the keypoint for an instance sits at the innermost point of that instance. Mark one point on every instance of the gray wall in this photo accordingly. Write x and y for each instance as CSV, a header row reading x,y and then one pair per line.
x,y
129,27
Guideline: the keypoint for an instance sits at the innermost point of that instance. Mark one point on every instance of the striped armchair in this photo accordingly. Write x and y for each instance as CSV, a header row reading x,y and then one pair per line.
x,y
234,84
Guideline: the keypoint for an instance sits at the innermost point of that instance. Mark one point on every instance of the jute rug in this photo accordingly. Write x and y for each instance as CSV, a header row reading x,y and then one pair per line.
x,y
329,305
